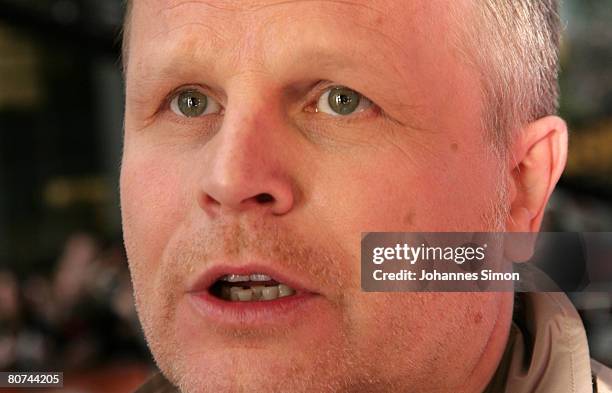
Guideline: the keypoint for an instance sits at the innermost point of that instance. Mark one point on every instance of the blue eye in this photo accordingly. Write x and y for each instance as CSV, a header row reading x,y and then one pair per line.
x,y
192,103
342,101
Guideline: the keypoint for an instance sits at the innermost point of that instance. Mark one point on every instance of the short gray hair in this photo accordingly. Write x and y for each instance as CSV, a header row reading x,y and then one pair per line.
x,y
515,47
125,32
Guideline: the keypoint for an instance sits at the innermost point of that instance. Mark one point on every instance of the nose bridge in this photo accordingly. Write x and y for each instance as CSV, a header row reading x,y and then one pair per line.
x,y
245,167
241,148
250,124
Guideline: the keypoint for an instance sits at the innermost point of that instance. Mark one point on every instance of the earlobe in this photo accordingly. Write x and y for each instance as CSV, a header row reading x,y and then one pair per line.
x,y
539,156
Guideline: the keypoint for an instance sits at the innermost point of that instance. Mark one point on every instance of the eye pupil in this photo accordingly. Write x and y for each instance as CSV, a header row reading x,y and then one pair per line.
x,y
192,103
343,101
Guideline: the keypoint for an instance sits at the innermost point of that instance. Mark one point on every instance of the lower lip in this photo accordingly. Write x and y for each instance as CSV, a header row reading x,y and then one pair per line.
x,y
253,313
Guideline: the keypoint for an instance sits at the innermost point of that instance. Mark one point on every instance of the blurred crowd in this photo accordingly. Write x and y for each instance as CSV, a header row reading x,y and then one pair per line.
x,y
80,316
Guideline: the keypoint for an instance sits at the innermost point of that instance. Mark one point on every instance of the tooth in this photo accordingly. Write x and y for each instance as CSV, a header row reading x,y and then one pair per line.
x,y
257,289
245,295
284,290
235,278
269,293
260,277
226,293
234,293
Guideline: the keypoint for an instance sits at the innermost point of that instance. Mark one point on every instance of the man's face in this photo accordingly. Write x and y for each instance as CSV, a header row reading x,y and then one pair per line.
x,y
237,161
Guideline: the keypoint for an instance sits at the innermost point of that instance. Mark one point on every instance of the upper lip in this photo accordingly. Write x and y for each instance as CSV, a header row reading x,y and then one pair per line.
x,y
206,279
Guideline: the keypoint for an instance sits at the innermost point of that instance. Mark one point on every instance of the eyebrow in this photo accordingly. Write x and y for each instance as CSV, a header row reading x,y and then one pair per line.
x,y
178,65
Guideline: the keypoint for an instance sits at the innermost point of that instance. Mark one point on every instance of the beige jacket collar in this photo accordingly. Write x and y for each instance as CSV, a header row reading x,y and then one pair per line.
x,y
547,349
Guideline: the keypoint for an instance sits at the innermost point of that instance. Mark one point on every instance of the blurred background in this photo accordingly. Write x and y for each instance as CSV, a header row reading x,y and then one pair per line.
x,y
65,293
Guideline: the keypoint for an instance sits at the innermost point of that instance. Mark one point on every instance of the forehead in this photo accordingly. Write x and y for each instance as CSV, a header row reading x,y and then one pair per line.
x,y
240,25
361,10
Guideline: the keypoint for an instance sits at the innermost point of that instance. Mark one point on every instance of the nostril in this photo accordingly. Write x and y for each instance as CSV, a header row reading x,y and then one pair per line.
x,y
210,200
264,198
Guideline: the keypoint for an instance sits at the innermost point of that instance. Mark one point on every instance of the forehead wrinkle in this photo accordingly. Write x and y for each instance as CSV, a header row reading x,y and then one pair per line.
x,y
223,5
162,63
364,6
242,51
260,6
225,26
214,37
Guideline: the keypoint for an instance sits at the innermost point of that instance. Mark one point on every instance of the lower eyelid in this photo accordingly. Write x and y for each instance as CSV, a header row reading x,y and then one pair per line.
x,y
366,114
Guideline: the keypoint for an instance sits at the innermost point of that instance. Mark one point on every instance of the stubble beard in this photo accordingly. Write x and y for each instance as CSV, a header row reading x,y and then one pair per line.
x,y
336,368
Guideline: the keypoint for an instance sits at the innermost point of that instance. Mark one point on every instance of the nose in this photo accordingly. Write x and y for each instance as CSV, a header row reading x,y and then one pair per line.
x,y
247,169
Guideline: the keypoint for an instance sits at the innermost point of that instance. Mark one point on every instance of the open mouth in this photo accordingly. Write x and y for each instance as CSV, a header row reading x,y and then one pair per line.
x,y
247,296
254,287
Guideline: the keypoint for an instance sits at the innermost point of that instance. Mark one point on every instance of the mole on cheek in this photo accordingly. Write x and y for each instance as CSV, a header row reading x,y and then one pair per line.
x,y
454,147
409,218
478,318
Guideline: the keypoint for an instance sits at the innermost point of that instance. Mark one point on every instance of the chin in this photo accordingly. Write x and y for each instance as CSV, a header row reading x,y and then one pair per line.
x,y
202,358
254,370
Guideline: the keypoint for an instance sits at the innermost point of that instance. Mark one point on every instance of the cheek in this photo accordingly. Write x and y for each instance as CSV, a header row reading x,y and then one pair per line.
x,y
153,200
388,196
425,334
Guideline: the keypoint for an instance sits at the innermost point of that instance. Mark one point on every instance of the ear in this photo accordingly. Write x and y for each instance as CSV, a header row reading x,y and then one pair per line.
x,y
538,159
